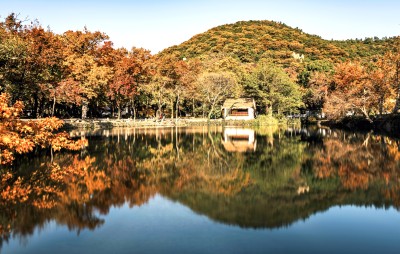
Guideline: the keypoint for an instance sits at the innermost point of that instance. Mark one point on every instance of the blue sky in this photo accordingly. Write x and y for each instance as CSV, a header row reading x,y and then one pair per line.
x,y
157,24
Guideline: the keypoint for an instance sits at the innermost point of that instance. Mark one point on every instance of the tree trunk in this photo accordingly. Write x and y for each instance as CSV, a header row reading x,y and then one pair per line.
x,y
159,108
366,115
119,111
85,108
172,110
134,109
177,107
397,105
35,106
210,113
147,108
268,110
381,102
54,105
134,113
193,107
40,110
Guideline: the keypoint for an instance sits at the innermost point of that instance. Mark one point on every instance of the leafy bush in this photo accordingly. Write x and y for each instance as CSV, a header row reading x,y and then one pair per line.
x,y
266,120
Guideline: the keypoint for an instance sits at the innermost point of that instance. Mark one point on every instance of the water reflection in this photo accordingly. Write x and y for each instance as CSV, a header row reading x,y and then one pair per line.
x,y
239,140
263,178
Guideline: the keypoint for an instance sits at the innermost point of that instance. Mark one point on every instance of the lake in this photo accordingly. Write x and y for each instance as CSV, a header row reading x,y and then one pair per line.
x,y
207,190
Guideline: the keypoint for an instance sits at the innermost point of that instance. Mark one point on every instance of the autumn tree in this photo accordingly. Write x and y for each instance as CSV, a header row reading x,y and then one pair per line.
x,y
381,85
353,92
130,71
21,137
163,83
185,88
179,75
45,67
32,62
393,70
317,92
215,87
85,75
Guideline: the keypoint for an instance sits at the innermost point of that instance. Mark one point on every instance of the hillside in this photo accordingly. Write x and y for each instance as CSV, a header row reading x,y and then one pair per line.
x,y
250,41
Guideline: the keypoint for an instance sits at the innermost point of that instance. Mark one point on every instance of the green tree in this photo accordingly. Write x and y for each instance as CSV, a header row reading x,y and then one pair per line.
x,y
314,77
272,89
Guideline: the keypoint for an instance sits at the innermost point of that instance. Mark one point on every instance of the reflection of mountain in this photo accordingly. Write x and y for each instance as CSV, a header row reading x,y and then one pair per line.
x,y
239,140
274,210
258,189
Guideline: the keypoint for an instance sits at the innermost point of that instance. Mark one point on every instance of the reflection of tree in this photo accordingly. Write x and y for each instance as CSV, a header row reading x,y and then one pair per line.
x,y
284,180
209,169
72,188
52,191
359,162
263,185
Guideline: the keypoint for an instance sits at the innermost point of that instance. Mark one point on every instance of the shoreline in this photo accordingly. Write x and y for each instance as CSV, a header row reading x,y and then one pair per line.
x,y
179,122
388,125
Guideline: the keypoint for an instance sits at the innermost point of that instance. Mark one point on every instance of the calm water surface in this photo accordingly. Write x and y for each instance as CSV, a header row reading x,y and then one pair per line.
x,y
207,190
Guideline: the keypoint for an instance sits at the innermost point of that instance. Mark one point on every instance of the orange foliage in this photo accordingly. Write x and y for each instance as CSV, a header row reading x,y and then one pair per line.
x,y
353,179
54,184
20,137
359,164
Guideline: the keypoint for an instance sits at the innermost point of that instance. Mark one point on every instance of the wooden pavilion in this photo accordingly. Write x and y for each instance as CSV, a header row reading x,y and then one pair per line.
x,y
239,109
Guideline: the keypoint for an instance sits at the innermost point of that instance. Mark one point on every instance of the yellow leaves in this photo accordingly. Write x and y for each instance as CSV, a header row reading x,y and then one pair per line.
x,y
26,129
89,75
24,146
6,140
6,157
9,112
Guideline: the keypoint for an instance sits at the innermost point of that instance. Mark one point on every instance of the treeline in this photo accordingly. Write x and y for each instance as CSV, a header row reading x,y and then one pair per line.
x,y
81,74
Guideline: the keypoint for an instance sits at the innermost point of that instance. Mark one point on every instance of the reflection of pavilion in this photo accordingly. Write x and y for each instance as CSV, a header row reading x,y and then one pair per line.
x,y
239,140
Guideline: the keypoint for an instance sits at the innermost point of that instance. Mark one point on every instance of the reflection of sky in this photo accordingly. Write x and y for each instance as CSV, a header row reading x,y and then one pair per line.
x,y
156,24
163,226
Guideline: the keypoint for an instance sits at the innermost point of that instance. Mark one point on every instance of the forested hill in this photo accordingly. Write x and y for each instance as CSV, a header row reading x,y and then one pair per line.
x,y
250,41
